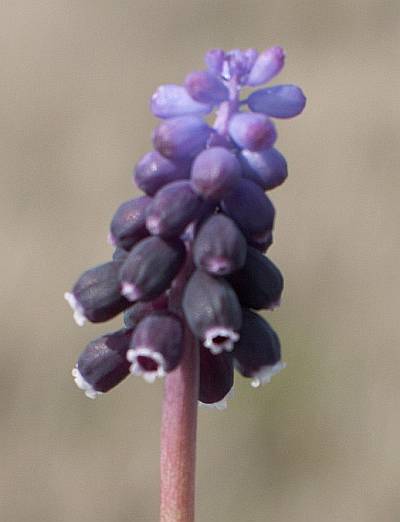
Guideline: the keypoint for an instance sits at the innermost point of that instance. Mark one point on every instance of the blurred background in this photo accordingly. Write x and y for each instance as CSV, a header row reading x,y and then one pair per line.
x,y
321,442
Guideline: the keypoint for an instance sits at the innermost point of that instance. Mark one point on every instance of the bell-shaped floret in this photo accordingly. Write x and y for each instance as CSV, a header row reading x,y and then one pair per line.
x,y
267,168
216,378
135,313
173,208
249,208
219,247
96,295
280,101
212,311
128,225
205,87
215,172
170,101
259,284
154,171
257,354
181,138
150,268
157,345
252,131
268,64
103,363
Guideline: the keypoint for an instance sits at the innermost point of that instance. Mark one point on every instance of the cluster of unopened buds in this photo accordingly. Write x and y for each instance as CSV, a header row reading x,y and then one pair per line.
x,y
200,233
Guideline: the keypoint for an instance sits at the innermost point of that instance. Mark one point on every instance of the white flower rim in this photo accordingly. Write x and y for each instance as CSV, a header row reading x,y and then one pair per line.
x,y
136,369
77,308
84,385
216,331
265,374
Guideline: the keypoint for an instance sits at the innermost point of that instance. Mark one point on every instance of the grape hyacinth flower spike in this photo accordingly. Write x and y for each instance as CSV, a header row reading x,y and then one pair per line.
x,y
188,269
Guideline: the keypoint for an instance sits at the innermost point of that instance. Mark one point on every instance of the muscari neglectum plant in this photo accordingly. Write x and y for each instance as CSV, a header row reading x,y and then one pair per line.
x,y
189,269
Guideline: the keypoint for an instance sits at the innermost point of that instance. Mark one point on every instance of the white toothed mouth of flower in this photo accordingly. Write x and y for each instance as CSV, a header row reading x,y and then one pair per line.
x,y
84,385
265,374
220,405
219,339
130,291
147,363
77,308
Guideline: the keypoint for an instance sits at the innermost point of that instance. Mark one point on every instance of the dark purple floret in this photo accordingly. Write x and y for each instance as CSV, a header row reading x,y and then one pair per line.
x,y
257,354
173,208
215,172
128,225
150,268
103,363
181,138
219,247
266,168
154,171
259,284
216,377
250,208
212,311
135,313
96,295
157,345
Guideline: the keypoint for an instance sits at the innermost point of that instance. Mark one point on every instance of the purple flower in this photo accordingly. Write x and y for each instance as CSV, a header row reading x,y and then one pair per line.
x,y
198,233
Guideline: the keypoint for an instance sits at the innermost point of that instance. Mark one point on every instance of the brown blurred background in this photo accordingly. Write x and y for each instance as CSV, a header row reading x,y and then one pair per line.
x,y
322,441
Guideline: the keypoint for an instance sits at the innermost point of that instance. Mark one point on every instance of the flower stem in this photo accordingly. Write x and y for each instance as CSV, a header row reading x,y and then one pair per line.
x,y
178,425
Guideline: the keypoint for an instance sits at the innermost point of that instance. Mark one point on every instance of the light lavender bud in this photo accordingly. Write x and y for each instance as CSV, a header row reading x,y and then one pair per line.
x,y
170,101
181,138
269,63
205,87
279,101
252,131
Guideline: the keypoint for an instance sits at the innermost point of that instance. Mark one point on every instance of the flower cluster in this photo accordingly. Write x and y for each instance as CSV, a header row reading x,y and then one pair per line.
x,y
204,208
